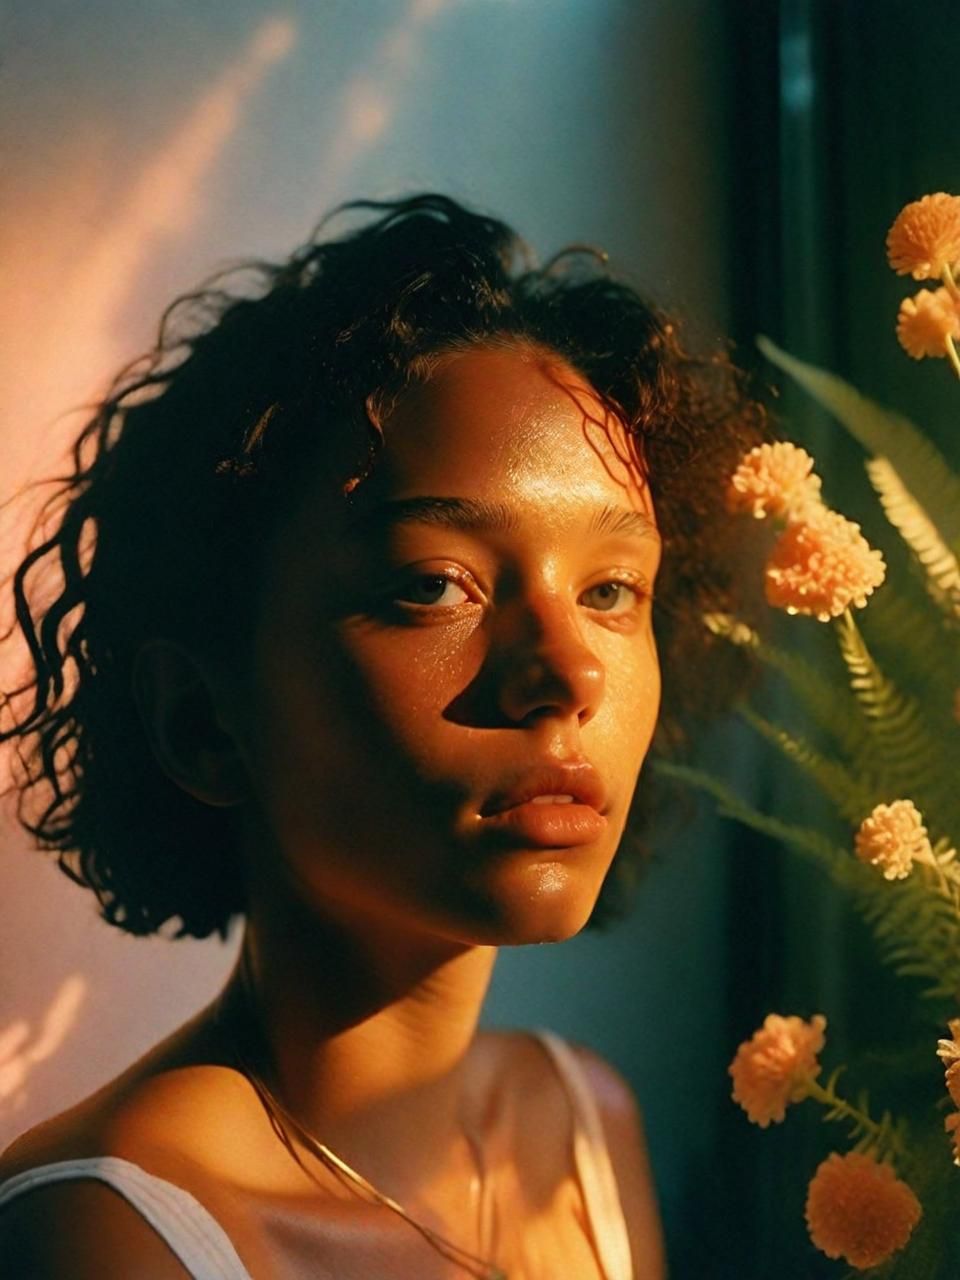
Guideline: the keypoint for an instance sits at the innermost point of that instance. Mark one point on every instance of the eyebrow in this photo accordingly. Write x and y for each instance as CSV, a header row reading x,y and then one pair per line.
x,y
475,515
612,519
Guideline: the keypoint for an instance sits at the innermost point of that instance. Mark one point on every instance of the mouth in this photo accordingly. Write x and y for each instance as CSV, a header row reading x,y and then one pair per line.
x,y
556,805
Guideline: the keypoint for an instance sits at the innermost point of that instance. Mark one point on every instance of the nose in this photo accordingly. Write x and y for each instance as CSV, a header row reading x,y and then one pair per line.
x,y
546,669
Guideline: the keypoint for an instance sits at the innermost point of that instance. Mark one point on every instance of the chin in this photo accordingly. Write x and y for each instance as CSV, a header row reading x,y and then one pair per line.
x,y
549,901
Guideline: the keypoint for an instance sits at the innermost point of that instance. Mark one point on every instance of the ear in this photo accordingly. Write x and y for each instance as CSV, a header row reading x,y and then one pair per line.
x,y
178,707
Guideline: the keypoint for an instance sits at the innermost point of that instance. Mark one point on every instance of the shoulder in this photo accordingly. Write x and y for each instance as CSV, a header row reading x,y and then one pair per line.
x,y
81,1230
624,1131
191,1125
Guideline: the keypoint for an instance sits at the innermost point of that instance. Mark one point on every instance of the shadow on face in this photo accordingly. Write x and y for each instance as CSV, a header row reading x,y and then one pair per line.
x,y
474,625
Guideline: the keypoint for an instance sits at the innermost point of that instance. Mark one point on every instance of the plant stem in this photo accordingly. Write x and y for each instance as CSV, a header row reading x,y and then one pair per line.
x,y
882,1135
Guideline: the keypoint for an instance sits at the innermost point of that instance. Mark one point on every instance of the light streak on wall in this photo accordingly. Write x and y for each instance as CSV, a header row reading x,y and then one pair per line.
x,y
370,96
69,276
21,1049
65,341
65,335
69,343
64,327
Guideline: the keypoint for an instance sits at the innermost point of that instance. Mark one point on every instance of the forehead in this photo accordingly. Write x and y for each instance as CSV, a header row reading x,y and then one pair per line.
x,y
515,425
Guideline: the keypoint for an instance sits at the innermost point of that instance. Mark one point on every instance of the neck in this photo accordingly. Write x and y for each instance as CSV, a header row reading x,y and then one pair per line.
x,y
363,1034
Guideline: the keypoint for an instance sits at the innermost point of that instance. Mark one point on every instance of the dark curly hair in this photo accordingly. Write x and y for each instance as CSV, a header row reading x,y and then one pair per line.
x,y
193,456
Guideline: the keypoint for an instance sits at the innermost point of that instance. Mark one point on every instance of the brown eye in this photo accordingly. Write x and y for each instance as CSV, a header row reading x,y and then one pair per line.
x,y
610,597
432,588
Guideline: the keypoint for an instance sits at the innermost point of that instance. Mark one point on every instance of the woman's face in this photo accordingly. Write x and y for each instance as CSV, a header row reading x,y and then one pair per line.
x,y
455,679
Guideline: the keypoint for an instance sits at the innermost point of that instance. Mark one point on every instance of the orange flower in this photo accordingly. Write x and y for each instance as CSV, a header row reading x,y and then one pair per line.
x,y
822,565
952,1077
770,1069
949,1050
952,1126
926,321
949,1054
925,236
773,480
858,1209
892,838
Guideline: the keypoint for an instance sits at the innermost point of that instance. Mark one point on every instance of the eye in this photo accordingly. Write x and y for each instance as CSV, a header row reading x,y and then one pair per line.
x,y
432,589
611,597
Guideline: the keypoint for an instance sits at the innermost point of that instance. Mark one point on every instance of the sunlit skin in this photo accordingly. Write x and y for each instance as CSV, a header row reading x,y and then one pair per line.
x,y
411,659
401,676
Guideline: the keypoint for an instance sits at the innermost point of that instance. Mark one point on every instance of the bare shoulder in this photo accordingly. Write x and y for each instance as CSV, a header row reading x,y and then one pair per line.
x,y
626,1141
81,1230
82,1227
62,1137
184,1118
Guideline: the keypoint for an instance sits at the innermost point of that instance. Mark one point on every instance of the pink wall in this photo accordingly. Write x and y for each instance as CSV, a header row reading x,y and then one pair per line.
x,y
145,145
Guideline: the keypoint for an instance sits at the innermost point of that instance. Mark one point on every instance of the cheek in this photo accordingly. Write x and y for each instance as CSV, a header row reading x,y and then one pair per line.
x,y
336,708
411,675
632,685
351,745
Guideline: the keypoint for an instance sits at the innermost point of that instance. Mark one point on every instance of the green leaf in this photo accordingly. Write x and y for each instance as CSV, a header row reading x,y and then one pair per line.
x,y
882,432
904,624
833,708
912,756
854,796
939,564
805,839
895,910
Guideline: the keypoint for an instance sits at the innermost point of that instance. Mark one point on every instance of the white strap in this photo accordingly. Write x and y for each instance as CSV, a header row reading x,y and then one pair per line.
x,y
597,1180
195,1237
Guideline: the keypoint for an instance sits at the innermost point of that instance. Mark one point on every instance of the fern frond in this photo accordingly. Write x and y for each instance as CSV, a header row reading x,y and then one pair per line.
x,y
883,433
917,929
835,861
835,1074
920,534
915,921
853,796
833,709
912,757
885,1137
905,624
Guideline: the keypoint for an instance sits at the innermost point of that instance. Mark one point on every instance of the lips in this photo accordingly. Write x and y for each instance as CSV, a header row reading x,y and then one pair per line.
x,y
549,806
577,779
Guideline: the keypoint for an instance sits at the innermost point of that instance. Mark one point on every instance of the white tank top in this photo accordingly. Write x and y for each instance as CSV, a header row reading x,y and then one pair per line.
x,y
205,1250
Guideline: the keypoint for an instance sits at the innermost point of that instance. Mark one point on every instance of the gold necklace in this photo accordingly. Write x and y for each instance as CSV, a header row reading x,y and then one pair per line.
x,y
280,1118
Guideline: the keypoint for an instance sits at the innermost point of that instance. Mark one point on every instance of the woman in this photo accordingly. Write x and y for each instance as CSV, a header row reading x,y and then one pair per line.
x,y
353,634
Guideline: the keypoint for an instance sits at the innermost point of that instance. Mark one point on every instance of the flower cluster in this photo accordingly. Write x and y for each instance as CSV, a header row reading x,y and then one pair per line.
x,y
774,480
924,242
925,237
857,1208
821,564
892,838
776,1065
948,1051
925,321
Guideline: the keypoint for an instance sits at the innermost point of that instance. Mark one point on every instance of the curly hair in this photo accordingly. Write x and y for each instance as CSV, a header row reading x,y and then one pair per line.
x,y
191,459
